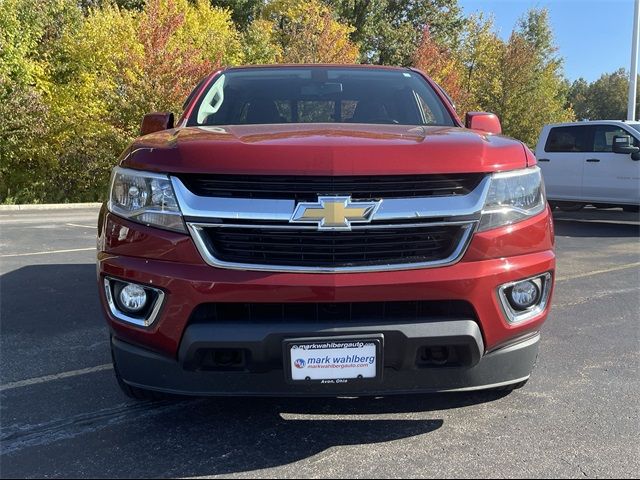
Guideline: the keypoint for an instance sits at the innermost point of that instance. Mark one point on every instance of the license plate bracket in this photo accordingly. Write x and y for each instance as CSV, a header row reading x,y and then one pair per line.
x,y
334,360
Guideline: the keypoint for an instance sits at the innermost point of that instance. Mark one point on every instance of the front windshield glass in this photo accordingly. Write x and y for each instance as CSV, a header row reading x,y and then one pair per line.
x,y
319,95
635,126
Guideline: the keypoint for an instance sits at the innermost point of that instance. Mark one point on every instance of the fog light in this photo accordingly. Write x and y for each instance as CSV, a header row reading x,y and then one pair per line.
x,y
133,298
131,303
524,295
525,299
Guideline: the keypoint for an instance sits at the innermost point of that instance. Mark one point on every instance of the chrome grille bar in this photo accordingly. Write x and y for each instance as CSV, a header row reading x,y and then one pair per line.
x,y
203,208
409,216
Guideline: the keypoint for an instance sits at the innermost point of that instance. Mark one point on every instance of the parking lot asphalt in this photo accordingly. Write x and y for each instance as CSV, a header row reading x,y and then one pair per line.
x,y
62,414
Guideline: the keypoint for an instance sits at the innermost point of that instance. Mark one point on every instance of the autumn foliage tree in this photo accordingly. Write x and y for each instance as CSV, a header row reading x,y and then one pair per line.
x,y
440,64
176,50
76,76
533,90
28,33
308,33
109,69
507,78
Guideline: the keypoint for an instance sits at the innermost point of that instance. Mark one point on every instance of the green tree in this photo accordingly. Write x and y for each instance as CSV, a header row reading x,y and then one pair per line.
x,y
243,12
88,5
605,98
307,32
389,31
531,75
28,31
480,52
119,65
94,102
260,43
578,99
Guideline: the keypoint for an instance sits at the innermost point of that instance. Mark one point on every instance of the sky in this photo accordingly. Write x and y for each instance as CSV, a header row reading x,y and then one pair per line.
x,y
593,36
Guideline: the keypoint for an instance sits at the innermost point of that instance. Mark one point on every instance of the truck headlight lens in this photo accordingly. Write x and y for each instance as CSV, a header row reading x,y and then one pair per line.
x,y
513,196
145,197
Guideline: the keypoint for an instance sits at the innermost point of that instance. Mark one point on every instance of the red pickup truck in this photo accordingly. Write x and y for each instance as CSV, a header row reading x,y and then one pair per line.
x,y
324,230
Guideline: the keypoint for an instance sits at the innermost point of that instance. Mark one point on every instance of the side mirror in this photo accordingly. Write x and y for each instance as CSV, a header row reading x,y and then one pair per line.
x,y
483,121
156,122
624,144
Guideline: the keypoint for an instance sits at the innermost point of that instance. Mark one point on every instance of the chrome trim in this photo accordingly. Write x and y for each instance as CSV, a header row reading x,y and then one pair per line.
x,y
374,226
138,173
201,212
195,206
123,317
514,316
230,208
196,230
434,207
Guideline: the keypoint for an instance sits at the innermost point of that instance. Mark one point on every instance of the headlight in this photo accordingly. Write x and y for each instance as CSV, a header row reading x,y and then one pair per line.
x,y
145,197
513,196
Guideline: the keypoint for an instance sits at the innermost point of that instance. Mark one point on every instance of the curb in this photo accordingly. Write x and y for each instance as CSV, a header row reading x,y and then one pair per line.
x,y
49,206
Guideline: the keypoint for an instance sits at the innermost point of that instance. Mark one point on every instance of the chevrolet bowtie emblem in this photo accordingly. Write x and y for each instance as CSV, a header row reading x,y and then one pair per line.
x,y
335,213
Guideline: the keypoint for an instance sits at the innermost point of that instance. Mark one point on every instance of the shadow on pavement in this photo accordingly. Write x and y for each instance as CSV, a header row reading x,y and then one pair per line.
x,y
181,438
47,299
597,223
202,437
240,435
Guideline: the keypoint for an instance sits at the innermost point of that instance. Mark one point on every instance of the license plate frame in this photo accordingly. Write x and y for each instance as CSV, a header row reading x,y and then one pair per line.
x,y
330,342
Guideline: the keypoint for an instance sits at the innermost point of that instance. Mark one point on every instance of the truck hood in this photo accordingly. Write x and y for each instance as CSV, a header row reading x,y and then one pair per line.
x,y
324,149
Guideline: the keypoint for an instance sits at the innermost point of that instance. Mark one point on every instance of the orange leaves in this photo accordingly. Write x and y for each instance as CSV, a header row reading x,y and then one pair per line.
x,y
169,68
440,64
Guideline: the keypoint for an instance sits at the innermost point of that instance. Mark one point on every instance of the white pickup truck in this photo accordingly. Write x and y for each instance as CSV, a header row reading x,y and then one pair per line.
x,y
595,162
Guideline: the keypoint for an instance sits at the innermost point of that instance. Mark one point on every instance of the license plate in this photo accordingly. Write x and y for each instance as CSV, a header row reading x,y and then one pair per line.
x,y
334,360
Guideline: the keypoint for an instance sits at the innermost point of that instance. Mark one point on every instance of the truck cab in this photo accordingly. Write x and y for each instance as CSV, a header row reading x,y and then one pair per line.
x,y
583,163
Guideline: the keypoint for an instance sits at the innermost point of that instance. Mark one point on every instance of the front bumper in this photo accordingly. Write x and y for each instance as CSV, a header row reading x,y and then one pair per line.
x,y
508,365
157,357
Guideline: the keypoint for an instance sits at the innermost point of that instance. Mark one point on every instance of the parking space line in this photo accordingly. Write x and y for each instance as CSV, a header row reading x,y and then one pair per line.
x,y
57,376
48,252
92,227
597,272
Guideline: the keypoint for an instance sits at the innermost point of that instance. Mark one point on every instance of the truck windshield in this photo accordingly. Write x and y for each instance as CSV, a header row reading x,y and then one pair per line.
x,y
635,126
319,95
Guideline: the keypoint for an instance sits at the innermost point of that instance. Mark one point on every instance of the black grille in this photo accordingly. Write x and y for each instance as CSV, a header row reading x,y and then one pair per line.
x,y
332,312
333,249
307,188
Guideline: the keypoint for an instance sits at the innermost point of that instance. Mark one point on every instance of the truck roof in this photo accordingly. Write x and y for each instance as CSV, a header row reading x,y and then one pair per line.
x,y
593,122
